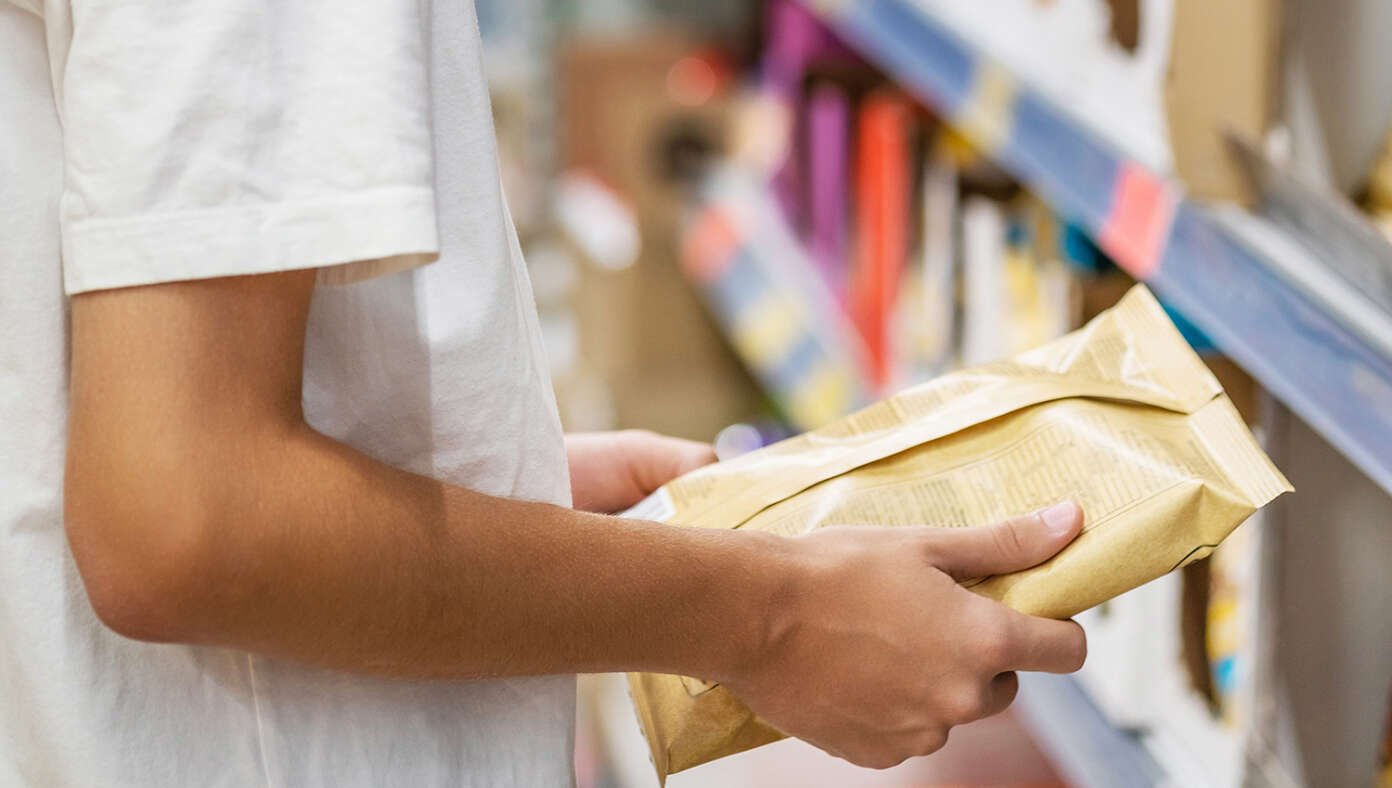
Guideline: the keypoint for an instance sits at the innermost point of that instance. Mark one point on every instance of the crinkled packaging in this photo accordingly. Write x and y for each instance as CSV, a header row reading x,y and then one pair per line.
x,y
1120,416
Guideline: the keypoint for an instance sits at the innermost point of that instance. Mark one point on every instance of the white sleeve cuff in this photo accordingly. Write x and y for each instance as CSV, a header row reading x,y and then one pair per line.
x,y
350,238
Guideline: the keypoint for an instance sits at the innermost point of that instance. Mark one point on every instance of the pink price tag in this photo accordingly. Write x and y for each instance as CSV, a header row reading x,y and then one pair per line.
x,y
1143,206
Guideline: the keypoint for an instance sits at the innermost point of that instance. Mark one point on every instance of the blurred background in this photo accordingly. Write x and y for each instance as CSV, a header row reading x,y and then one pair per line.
x,y
745,218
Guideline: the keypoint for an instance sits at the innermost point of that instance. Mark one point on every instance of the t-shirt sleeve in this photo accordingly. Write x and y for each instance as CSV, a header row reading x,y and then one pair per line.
x,y
207,138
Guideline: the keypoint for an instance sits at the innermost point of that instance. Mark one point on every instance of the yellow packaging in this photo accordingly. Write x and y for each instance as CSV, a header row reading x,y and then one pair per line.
x,y
1120,416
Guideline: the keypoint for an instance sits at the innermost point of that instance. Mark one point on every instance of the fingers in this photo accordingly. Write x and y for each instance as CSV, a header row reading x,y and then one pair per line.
x,y
658,459
1018,543
611,471
1017,641
690,455
1042,645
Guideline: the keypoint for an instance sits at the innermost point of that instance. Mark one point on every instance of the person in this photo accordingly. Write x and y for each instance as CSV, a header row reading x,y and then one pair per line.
x,y
283,491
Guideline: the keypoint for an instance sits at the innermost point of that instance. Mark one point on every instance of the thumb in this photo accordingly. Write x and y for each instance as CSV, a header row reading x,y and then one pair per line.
x,y
1009,546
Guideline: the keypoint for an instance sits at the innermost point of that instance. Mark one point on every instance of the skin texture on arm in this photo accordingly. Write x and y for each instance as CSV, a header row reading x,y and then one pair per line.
x,y
202,509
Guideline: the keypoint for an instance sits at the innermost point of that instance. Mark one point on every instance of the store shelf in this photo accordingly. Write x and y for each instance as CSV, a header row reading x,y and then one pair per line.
x,y
1088,750
1301,349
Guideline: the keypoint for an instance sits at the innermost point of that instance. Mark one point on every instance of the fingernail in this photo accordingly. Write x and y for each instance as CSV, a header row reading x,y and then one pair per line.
x,y
1058,519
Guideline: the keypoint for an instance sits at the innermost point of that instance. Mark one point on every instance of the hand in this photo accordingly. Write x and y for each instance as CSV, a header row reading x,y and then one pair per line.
x,y
877,652
611,471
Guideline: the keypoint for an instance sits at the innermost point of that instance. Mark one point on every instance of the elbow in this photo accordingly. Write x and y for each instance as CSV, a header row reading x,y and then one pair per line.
x,y
140,554
125,606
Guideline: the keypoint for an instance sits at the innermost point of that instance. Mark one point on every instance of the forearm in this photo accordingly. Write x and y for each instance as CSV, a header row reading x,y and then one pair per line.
x,y
320,554
201,508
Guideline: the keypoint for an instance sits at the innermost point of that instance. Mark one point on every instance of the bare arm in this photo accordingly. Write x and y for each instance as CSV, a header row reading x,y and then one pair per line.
x,y
202,509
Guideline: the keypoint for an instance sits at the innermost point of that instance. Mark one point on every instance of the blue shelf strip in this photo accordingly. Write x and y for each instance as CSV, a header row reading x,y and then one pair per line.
x,y
1310,360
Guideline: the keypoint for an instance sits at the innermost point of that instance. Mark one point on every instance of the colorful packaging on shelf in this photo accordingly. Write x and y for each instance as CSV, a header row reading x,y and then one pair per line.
x,y
1230,617
1120,416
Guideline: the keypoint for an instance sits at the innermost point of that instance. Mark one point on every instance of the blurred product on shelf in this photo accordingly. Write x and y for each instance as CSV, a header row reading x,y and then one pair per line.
x,y
830,255
795,41
925,316
644,338
882,194
1377,199
1016,292
602,227
1223,77
1195,589
1120,416
766,294
1337,107
983,281
829,185
1229,622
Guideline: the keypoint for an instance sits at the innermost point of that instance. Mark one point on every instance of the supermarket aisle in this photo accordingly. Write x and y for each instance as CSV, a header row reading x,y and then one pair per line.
x,y
823,204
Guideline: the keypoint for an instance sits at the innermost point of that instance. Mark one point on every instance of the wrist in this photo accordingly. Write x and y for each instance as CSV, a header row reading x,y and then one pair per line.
x,y
757,604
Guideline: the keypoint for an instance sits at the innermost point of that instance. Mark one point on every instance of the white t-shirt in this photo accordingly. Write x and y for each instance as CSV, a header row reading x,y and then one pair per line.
x,y
145,141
